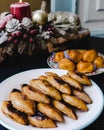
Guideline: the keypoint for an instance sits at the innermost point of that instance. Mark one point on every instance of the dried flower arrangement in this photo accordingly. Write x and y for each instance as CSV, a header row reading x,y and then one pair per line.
x,y
29,37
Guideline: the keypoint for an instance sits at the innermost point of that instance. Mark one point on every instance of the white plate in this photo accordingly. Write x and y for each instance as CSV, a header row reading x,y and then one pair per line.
x,y
54,65
84,118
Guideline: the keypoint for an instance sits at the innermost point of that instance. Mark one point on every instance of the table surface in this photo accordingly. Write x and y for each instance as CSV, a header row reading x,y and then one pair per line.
x,y
9,68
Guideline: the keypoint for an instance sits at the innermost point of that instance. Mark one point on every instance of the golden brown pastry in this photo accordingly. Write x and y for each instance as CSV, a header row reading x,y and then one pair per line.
x,y
82,95
45,87
50,111
34,94
80,77
18,116
90,55
58,56
82,52
66,64
41,121
74,55
72,82
85,67
21,102
64,109
51,73
59,84
74,101
99,62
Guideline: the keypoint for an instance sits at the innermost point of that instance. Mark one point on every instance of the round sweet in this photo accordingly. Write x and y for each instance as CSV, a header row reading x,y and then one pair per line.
x,y
99,62
58,56
66,64
90,55
74,55
85,67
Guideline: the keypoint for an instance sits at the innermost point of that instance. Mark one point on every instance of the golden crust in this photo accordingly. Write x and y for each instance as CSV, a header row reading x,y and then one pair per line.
x,y
50,111
80,77
75,55
22,103
41,121
59,84
58,56
74,101
99,62
34,94
85,67
45,87
90,55
66,64
65,109
82,95
18,116
72,82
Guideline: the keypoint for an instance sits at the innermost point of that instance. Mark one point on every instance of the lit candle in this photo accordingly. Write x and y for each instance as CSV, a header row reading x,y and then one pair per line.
x,y
20,10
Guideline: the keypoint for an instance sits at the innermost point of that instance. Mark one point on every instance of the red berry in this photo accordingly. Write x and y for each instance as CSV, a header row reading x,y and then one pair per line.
x,y
31,40
25,36
10,39
15,41
33,31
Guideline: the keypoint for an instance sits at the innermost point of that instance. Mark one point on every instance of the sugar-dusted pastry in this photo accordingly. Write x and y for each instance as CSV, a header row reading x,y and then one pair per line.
x,y
16,115
34,94
41,121
90,55
65,109
74,55
82,95
45,87
58,56
74,83
59,84
80,77
85,67
50,111
66,64
74,101
21,102
99,62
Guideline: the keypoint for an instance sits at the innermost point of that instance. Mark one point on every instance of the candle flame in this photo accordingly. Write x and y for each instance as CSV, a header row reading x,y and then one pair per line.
x,y
20,1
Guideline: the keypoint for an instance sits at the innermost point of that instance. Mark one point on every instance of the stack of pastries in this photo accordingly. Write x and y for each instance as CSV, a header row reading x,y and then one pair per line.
x,y
84,61
45,100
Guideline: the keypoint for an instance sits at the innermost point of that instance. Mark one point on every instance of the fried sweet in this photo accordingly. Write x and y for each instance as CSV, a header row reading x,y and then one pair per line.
x,y
59,84
50,111
41,121
74,83
58,56
80,77
34,94
66,64
82,95
64,109
74,55
99,62
18,116
21,102
74,101
45,87
90,55
51,73
85,67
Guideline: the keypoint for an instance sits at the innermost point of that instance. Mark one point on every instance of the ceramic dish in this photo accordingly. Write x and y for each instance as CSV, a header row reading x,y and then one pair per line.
x,y
54,65
84,118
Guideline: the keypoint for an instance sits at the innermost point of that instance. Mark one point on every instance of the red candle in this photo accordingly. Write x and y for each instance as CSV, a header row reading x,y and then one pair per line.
x,y
20,10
